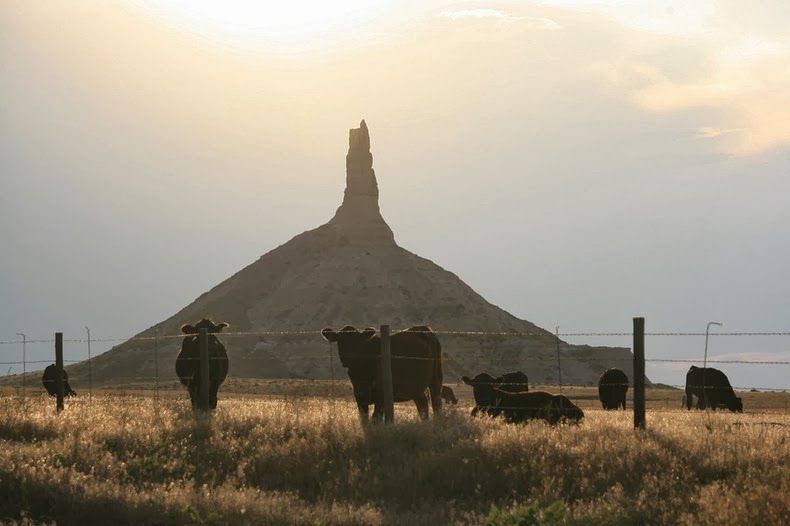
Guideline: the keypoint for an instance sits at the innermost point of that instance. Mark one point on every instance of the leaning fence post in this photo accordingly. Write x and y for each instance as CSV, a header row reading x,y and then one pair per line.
x,y
204,371
386,376
639,373
59,370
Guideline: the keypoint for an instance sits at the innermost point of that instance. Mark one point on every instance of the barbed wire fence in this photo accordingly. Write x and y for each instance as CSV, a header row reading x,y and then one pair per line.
x,y
157,339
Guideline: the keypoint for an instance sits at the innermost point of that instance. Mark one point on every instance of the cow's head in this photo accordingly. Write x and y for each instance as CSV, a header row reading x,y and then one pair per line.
x,y
205,323
350,343
448,395
564,409
739,405
482,388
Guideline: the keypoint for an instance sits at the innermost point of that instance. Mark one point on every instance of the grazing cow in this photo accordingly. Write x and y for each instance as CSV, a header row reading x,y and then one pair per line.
x,y
49,377
612,387
416,367
188,361
483,386
712,388
448,395
522,406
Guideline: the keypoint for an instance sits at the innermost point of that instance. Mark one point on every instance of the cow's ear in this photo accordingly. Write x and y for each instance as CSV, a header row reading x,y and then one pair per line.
x,y
188,329
222,326
329,335
467,380
368,333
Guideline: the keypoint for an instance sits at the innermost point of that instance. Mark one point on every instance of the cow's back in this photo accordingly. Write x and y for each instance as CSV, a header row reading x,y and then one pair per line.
x,y
416,361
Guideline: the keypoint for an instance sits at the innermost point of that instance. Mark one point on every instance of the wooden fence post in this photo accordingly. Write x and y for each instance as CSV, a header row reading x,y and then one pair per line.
x,y
386,376
203,403
639,373
59,370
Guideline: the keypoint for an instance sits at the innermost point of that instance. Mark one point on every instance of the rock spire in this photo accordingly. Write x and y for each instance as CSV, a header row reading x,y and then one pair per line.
x,y
359,214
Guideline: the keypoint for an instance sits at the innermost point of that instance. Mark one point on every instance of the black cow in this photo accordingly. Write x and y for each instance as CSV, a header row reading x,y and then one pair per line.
x,y
483,386
448,395
49,377
523,406
416,367
188,361
612,387
712,388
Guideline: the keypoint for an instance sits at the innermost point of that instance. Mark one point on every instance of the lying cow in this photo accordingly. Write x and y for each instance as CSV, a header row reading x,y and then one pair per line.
x,y
712,388
49,377
520,407
483,386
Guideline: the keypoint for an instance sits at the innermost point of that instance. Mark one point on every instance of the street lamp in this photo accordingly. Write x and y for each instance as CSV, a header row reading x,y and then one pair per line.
x,y
707,330
24,361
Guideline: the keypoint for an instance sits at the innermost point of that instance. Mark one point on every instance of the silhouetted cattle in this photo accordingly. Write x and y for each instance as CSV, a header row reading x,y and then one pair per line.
x,y
483,386
448,395
416,367
519,407
188,361
49,377
712,388
612,387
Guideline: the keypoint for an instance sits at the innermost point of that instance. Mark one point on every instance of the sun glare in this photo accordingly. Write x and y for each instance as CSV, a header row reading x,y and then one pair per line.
x,y
250,25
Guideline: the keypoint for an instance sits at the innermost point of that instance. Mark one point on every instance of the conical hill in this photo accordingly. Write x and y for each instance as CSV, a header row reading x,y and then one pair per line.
x,y
350,271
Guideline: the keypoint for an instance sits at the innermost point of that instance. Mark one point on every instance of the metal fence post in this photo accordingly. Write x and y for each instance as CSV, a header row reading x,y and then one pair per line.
x,y
639,373
203,404
386,376
59,370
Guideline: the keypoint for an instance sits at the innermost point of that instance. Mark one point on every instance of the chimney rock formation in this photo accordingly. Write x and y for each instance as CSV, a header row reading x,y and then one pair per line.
x,y
350,271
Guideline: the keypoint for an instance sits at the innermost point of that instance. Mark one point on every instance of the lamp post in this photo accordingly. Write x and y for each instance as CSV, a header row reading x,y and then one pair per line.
x,y
707,330
24,361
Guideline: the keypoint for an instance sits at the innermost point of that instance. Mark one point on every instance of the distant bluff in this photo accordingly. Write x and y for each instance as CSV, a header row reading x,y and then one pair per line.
x,y
350,271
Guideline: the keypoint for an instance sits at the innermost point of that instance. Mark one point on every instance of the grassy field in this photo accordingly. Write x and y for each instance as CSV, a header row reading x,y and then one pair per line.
x,y
289,457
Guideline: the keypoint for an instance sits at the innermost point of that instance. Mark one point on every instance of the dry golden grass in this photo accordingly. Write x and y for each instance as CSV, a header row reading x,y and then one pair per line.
x,y
259,460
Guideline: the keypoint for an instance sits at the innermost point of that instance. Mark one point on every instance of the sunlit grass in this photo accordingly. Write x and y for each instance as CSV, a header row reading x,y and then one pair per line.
x,y
138,460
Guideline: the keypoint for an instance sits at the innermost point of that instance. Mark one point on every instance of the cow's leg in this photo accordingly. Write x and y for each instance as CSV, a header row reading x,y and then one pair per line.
x,y
421,402
212,398
364,412
436,398
688,399
193,393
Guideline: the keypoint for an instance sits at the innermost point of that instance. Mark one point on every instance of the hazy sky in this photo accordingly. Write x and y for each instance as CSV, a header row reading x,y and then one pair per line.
x,y
576,163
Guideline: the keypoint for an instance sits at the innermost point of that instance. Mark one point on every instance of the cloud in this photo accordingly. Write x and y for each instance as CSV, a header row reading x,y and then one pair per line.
x,y
745,87
496,14
753,48
709,132
754,356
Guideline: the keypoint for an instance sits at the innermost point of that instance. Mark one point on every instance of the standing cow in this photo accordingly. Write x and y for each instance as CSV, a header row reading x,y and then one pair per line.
x,y
612,387
188,361
49,377
712,388
483,386
416,367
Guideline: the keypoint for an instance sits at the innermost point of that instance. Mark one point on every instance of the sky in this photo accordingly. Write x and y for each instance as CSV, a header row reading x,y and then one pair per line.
x,y
577,163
